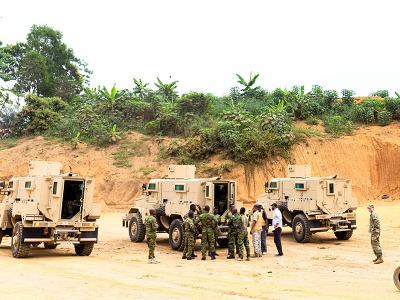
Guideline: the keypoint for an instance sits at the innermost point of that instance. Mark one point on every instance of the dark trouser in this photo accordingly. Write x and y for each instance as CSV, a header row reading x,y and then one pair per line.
x,y
277,239
264,232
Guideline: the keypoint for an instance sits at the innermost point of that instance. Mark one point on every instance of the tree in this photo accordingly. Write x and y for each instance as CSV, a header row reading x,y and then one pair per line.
x,y
44,65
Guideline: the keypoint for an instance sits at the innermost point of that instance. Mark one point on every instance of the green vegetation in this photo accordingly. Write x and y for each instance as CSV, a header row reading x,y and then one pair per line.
x,y
247,125
147,171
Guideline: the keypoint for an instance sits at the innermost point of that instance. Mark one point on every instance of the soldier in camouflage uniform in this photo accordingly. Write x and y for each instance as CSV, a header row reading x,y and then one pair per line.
x,y
207,222
243,235
235,224
190,232
217,222
375,230
151,234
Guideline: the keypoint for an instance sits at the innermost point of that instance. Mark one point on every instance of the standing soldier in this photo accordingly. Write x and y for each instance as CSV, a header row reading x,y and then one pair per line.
x,y
235,224
243,236
375,230
231,252
217,218
207,222
190,232
151,234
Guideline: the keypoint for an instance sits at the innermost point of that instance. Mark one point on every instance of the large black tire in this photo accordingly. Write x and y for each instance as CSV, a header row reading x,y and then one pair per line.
x,y
396,277
223,243
162,219
19,249
287,216
301,229
176,235
136,228
84,249
343,235
50,245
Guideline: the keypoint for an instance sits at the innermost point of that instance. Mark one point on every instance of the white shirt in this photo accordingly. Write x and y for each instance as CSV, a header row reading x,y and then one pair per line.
x,y
277,219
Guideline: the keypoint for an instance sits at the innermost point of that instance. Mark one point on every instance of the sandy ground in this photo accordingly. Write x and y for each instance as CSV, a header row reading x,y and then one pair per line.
x,y
326,268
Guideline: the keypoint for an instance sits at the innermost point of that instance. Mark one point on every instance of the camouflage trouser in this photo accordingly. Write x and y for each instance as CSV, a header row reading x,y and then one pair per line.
x,y
376,246
207,241
257,241
243,240
151,243
216,238
231,249
189,245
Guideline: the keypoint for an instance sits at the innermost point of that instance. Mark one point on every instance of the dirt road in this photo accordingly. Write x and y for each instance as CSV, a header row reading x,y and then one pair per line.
x,y
326,268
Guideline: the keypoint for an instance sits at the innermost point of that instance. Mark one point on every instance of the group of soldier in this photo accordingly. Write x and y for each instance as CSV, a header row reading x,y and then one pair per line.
x,y
207,222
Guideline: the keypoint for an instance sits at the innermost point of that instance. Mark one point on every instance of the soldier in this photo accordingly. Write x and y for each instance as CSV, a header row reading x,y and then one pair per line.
x,y
192,208
207,222
190,232
217,222
235,224
231,252
151,234
375,230
243,236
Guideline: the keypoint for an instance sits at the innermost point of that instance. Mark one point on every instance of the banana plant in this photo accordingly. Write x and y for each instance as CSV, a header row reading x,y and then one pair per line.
x,y
167,89
140,88
112,96
247,85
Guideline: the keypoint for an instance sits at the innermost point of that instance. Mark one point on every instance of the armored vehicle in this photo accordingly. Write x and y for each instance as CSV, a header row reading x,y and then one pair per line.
x,y
50,208
312,204
172,197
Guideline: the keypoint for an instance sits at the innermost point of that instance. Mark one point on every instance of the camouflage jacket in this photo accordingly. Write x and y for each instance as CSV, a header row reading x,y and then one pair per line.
x,y
151,226
188,227
217,218
235,223
207,220
374,224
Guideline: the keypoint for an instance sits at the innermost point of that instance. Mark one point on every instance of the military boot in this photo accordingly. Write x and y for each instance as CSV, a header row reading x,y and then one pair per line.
x,y
379,260
375,259
212,256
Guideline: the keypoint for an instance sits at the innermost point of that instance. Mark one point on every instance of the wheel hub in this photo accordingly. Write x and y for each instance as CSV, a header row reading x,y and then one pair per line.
x,y
176,235
133,228
299,228
15,240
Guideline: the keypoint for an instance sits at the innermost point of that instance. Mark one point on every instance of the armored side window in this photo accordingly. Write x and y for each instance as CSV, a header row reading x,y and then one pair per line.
x,y
28,184
152,187
301,186
180,188
55,185
207,191
11,184
331,188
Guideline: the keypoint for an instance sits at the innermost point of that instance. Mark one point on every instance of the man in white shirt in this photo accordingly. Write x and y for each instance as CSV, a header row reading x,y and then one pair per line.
x,y
277,228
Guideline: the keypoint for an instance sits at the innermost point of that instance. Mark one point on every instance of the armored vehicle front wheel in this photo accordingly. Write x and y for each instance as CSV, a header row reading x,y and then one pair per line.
x,y
136,229
344,235
84,249
19,249
50,245
176,235
301,229
396,277
162,219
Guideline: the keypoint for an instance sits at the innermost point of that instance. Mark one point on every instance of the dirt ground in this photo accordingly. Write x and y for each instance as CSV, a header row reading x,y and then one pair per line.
x,y
326,268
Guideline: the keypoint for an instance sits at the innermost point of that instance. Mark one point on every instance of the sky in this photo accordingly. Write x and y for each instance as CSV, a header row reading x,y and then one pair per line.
x,y
342,44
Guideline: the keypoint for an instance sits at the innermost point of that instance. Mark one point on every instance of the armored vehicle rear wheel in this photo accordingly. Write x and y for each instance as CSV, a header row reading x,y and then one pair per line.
x,y
223,243
176,235
396,277
287,216
162,219
19,249
84,249
50,245
301,229
344,235
136,229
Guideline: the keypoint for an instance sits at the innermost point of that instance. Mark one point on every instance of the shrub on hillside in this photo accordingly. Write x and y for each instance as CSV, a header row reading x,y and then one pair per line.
x,y
337,126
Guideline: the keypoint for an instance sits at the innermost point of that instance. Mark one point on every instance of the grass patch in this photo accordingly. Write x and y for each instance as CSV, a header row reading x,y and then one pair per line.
x,y
8,143
147,171
126,151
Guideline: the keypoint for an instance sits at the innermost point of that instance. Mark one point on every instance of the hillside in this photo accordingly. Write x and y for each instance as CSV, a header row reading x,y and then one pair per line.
x,y
370,157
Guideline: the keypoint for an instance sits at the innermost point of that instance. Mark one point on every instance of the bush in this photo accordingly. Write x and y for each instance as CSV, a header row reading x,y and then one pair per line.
x,y
384,118
337,126
312,121
381,93
393,106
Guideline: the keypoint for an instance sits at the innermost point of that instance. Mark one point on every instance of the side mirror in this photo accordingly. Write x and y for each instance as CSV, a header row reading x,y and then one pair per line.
x,y
2,185
266,187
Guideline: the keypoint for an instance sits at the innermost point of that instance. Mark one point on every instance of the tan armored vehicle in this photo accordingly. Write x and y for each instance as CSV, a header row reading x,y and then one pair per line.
x,y
312,204
49,207
172,197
